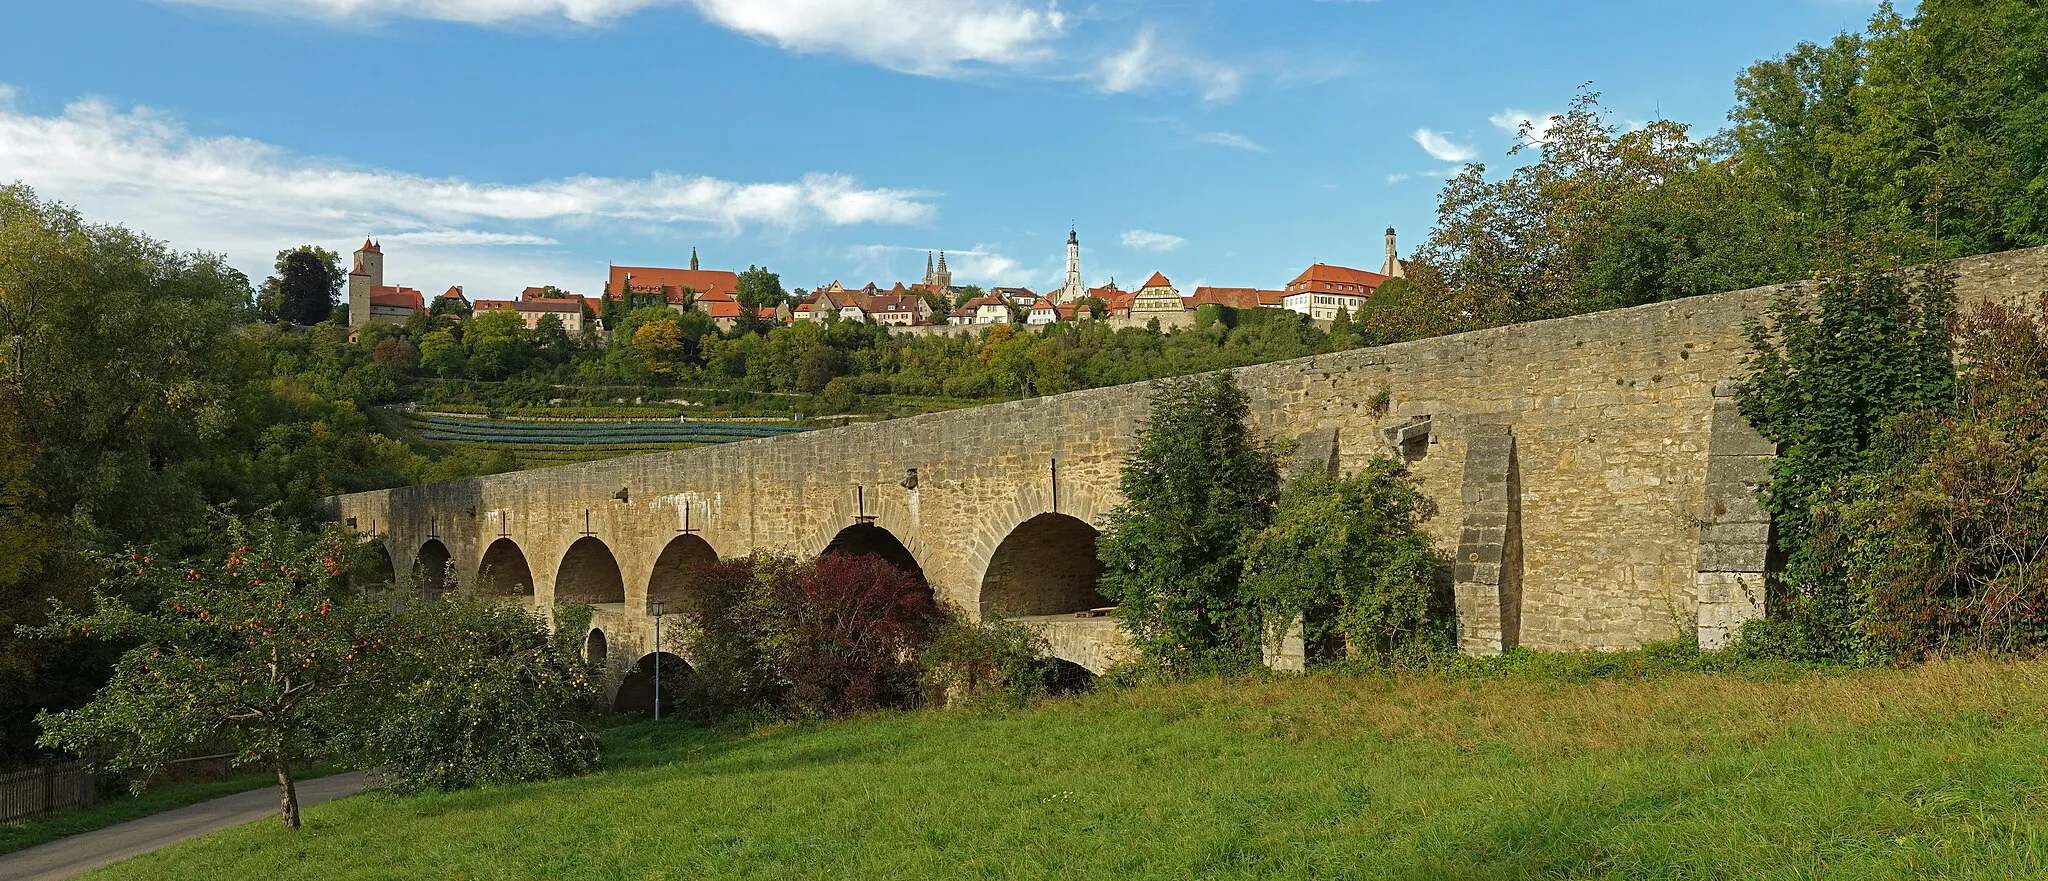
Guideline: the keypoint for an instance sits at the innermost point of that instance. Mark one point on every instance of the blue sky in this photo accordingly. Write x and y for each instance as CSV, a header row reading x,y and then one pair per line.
x,y
500,143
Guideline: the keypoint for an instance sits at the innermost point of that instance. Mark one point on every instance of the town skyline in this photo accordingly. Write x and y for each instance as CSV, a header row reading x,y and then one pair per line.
x,y
1172,137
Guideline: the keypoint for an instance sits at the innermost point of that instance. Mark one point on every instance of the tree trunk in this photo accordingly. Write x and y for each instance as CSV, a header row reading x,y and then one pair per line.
x,y
287,797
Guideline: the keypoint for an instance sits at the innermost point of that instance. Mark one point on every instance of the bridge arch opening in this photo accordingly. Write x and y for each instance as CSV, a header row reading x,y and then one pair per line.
x,y
1063,677
677,571
867,539
589,574
376,571
430,568
504,571
596,648
1045,566
636,691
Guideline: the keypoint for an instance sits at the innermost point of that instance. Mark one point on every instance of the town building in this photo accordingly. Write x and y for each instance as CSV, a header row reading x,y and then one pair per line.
x,y
1157,297
985,309
1045,311
1236,298
531,312
676,286
1323,290
370,299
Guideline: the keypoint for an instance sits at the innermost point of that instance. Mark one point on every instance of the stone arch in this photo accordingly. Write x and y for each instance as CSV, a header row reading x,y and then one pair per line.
x,y
596,648
589,574
504,571
430,568
377,571
1066,677
674,579
1045,566
636,691
868,539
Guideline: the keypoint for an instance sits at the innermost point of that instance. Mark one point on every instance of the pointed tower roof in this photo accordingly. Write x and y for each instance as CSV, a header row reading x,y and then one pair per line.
x,y
942,260
693,258
1073,236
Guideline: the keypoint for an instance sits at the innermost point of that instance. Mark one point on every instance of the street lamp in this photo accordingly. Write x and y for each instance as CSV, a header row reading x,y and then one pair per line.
x,y
658,607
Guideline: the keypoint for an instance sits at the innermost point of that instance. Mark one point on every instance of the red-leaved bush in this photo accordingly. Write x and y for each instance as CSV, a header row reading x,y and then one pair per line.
x,y
811,638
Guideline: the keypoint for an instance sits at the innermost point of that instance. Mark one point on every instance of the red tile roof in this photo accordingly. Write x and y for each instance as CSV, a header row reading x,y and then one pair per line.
x,y
454,292
1339,279
396,296
371,247
670,282
1158,280
721,308
1235,298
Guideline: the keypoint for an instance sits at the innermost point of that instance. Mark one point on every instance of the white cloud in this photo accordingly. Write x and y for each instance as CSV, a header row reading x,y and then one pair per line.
x,y
914,36
1398,177
1146,240
1442,148
1149,63
1511,121
248,198
1232,140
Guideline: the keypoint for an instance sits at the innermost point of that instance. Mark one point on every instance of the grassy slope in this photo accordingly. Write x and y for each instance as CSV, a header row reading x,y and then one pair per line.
x,y
1935,771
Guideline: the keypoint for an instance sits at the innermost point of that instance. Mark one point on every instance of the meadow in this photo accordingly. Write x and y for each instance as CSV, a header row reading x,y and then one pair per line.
x,y
1931,771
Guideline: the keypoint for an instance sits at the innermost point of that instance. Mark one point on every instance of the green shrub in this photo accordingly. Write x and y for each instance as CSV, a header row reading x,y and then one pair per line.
x,y
1196,485
1828,372
996,663
1348,555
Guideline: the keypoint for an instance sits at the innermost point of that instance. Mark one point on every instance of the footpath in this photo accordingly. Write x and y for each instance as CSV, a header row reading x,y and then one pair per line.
x,y
86,851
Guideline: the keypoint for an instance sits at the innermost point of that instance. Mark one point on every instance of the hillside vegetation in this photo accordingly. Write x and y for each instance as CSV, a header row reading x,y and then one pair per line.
x,y
1889,773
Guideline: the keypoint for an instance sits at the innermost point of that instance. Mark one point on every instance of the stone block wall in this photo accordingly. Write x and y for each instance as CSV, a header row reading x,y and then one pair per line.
x,y
1625,481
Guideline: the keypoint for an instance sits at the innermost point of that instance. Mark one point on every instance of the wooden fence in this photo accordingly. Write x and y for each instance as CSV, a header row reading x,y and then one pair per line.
x,y
39,792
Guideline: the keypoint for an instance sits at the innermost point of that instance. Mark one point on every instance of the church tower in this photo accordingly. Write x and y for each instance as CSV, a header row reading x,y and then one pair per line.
x,y
942,278
693,259
1394,266
1073,289
367,275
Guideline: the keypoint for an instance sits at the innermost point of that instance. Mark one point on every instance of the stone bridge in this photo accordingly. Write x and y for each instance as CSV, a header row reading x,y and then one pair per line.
x,y
1593,480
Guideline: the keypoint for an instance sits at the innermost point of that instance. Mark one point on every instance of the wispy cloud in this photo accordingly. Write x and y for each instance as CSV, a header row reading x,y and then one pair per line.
x,y
1442,148
924,37
1513,120
1232,140
1146,240
248,198
933,37
1151,62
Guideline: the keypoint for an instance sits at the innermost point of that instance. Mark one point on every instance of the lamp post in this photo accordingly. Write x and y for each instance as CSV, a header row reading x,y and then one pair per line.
x,y
658,607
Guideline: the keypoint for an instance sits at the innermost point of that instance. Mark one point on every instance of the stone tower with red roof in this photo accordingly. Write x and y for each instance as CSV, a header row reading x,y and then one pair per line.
x,y
366,276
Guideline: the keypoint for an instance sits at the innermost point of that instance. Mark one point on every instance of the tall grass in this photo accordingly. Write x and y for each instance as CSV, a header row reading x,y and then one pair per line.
x,y
1531,772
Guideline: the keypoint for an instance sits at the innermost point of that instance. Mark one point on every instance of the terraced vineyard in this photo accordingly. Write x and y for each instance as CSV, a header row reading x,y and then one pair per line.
x,y
539,442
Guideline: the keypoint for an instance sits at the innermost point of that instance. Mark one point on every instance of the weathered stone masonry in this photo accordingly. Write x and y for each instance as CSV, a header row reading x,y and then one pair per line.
x,y
1594,465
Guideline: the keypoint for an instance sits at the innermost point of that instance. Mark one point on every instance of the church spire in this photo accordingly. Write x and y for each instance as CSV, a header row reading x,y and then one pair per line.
x,y
693,258
942,261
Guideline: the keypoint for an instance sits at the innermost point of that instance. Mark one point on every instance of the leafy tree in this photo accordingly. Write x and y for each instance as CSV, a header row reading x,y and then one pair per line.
x,y
1348,555
442,353
308,281
498,344
448,312
257,649
759,288
551,340
1196,486
484,694
660,346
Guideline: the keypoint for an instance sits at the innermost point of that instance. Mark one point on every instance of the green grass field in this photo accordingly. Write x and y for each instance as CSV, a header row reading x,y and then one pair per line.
x,y
1936,771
